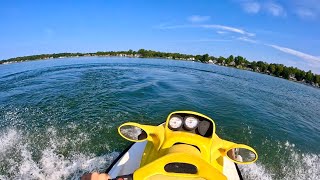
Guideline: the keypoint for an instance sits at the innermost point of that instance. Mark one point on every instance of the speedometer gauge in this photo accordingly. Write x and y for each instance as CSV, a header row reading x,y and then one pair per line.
x,y
190,122
175,122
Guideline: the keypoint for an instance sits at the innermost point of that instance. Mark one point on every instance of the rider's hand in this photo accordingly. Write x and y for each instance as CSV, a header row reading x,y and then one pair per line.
x,y
95,176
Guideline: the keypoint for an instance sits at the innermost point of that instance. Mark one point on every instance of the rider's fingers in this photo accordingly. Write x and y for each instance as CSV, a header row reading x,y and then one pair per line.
x,y
104,177
86,176
95,176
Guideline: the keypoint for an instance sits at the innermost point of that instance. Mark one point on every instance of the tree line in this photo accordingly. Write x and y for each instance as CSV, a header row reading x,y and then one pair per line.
x,y
278,70
240,62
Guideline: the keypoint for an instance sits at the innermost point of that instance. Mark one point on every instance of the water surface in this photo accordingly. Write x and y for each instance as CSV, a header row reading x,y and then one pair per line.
x,y
58,118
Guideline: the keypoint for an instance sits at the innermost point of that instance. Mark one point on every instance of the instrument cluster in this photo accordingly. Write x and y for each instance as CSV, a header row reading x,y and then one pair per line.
x,y
191,123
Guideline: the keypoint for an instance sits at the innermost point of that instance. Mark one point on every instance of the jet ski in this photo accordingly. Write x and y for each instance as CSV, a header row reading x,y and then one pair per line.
x,y
185,146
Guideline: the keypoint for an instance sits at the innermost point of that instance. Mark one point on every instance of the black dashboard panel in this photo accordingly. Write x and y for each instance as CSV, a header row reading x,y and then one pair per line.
x,y
204,127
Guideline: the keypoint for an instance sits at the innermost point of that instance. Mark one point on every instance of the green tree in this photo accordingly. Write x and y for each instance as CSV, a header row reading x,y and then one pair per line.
x,y
300,75
309,77
286,73
263,67
316,79
272,68
141,52
198,57
221,59
238,60
253,65
279,69
229,59
204,58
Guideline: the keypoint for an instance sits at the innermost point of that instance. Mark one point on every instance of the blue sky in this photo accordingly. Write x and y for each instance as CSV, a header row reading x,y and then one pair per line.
x,y
279,31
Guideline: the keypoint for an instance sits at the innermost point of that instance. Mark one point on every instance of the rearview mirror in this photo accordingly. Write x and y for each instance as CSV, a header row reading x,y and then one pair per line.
x,y
242,154
132,133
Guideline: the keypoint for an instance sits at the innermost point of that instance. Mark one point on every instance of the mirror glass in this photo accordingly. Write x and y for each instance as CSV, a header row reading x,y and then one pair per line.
x,y
241,155
133,133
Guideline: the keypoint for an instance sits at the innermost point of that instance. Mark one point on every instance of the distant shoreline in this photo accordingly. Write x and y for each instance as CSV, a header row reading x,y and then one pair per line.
x,y
238,62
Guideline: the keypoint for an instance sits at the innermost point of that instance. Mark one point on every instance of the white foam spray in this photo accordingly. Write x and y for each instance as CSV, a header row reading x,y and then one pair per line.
x,y
297,166
18,161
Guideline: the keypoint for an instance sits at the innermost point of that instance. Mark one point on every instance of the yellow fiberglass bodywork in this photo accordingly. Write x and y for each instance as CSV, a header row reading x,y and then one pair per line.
x,y
165,146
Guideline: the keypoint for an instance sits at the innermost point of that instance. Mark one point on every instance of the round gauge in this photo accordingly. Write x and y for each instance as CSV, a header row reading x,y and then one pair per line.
x,y
175,122
191,122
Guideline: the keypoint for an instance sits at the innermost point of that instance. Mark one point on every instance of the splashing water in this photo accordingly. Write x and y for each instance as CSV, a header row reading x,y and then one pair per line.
x,y
295,166
50,165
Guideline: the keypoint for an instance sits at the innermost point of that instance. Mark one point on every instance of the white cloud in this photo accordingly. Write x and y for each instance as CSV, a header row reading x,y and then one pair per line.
x,y
296,53
306,9
251,7
247,40
224,29
275,9
198,19
227,28
257,6
221,29
306,13
222,32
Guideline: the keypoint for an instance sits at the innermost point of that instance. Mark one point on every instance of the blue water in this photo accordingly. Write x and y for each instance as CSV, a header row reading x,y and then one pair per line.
x,y
58,118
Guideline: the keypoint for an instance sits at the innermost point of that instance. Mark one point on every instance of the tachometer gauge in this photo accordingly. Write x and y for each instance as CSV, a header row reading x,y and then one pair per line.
x,y
190,122
175,122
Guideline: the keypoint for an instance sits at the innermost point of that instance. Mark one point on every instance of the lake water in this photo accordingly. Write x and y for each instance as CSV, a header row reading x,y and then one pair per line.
x,y
59,118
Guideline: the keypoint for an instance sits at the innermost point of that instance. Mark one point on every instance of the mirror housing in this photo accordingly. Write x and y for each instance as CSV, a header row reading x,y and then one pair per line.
x,y
132,132
241,154
141,132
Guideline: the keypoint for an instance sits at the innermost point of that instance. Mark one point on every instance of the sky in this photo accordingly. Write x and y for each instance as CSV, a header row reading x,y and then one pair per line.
x,y
274,31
